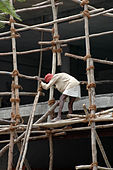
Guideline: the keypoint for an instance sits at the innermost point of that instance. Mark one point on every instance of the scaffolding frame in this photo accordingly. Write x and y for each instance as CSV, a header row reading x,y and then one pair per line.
x,y
90,116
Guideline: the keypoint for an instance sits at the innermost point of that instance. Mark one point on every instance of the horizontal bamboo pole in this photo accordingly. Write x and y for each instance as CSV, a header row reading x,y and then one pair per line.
x,y
75,38
27,52
89,167
37,7
94,15
20,93
65,122
94,59
42,3
30,51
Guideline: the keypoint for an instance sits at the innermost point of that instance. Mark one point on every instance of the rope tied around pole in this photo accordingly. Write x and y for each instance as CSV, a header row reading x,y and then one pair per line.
x,y
86,13
93,164
56,36
89,68
15,100
53,43
17,118
51,102
86,57
91,85
11,20
84,2
15,73
59,50
13,33
15,86
92,107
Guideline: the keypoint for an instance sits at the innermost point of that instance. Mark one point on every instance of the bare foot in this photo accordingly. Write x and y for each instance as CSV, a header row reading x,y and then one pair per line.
x,y
56,119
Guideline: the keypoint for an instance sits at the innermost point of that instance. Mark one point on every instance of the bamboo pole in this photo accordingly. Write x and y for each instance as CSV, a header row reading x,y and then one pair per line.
x,y
77,38
27,134
30,51
19,148
94,59
56,34
51,152
89,167
91,90
15,95
42,3
23,25
37,7
102,151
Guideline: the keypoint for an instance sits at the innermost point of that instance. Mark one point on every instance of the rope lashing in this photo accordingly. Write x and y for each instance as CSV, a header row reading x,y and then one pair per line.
x,y
53,30
56,36
15,86
53,43
59,50
92,107
11,20
84,2
15,73
86,13
51,102
93,164
89,68
86,57
90,85
15,100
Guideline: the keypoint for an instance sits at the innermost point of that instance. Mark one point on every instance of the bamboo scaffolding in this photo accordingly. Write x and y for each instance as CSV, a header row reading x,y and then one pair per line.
x,y
47,23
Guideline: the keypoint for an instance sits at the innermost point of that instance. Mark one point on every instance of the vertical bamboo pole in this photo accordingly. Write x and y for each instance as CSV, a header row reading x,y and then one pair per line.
x,y
11,144
51,93
51,152
91,89
14,62
15,94
56,35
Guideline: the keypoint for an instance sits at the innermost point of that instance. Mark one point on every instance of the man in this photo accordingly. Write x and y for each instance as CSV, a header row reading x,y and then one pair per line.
x,y
67,85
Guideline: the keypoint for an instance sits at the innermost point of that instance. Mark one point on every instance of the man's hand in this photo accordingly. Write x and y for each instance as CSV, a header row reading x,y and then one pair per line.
x,y
37,78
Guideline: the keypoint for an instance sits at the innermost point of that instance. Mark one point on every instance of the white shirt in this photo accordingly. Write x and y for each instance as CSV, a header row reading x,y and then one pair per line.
x,y
63,82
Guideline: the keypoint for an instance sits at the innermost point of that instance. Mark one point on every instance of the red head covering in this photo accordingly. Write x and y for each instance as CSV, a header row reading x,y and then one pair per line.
x,y
48,77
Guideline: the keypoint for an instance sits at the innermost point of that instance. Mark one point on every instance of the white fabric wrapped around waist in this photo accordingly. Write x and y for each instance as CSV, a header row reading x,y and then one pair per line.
x,y
73,92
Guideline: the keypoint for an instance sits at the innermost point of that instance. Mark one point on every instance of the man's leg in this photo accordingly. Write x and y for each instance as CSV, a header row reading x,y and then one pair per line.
x,y
70,104
61,104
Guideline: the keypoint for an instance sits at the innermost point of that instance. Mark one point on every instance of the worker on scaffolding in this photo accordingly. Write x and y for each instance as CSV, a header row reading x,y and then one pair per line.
x,y
67,85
